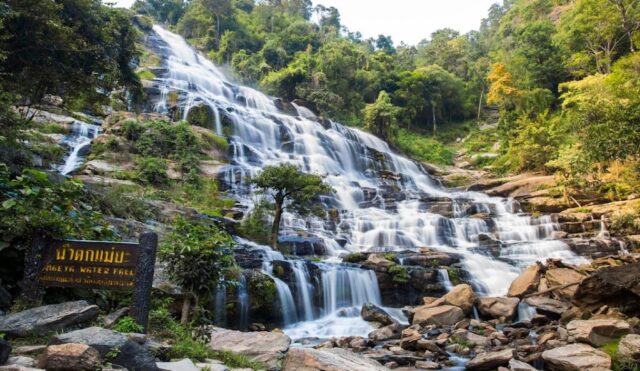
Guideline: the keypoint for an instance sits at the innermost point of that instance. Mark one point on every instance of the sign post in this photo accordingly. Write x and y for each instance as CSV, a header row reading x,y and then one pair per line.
x,y
104,265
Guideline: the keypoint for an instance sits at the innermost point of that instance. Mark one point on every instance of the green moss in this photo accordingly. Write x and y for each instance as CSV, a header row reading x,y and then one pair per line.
x,y
354,257
218,142
454,275
389,256
399,273
53,128
146,75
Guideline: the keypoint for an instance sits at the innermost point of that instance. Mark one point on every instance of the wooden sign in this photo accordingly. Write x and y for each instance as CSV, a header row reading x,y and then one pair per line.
x,y
90,264
97,265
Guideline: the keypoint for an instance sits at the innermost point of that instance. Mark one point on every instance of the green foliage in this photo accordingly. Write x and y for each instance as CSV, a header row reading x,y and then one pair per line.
x,y
128,324
255,226
381,117
399,273
198,255
73,48
423,148
146,75
626,223
153,171
121,202
454,275
354,257
262,290
185,345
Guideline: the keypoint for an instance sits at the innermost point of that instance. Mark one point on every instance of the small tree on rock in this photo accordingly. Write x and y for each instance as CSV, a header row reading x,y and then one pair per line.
x,y
291,189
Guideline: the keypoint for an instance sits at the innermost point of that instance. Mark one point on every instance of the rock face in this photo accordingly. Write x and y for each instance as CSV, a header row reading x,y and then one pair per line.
x,y
69,357
335,359
551,307
444,315
373,313
498,307
460,296
563,276
629,347
597,332
614,286
490,360
47,318
265,347
5,351
576,357
527,282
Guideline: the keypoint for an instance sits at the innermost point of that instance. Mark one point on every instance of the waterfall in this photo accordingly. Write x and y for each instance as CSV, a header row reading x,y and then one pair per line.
x,y
444,279
220,314
381,201
78,141
243,303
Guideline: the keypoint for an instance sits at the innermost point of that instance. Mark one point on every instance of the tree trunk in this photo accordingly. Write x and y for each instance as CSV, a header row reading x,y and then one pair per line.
x,y
433,111
480,104
186,307
275,228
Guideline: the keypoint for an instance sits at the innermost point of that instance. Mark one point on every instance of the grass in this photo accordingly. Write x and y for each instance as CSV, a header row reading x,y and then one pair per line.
x,y
146,75
423,148
53,128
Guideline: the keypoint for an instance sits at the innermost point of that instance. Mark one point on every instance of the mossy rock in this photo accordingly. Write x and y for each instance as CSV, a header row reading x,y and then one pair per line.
x,y
262,291
201,115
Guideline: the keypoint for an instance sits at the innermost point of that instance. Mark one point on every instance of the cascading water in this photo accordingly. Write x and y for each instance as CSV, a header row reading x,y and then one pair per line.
x,y
382,198
78,141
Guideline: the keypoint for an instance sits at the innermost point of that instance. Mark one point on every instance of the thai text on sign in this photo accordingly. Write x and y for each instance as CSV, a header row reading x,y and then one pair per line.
x,y
90,264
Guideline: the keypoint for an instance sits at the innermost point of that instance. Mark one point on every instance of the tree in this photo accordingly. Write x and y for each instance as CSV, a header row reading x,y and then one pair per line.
x,y
502,91
198,257
290,189
381,117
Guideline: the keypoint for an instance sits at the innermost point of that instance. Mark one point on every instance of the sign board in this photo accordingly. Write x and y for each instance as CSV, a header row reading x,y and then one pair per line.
x,y
98,265
90,264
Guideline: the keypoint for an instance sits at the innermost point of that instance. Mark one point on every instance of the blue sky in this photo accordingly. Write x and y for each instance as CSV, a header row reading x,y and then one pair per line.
x,y
405,20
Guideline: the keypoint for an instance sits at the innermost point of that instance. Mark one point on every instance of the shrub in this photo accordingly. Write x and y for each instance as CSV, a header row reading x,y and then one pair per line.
x,y
153,171
399,273
423,148
128,324
198,257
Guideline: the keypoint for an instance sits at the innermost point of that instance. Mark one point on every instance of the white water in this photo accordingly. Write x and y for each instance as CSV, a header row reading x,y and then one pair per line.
x,y
351,161
79,139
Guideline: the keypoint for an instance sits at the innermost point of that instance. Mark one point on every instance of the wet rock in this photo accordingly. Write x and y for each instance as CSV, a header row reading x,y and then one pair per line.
x,y
386,333
373,313
110,319
576,357
5,351
527,282
22,361
336,359
490,360
47,318
460,296
629,347
302,246
515,365
563,276
613,286
69,357
489,245
551,307
265,347
427,365
498,308
182,365
593,248
597,332
445,315
5,298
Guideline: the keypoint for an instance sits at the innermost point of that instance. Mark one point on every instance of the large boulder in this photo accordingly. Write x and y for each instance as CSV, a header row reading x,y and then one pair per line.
x,y
444,315
265,347
490,360
460,296
48,318
386,333
69,357
335,359
499,308
527,282
629,347
613,286
515,365
576,357
597,332
548,306
373,313
130,354
563,276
